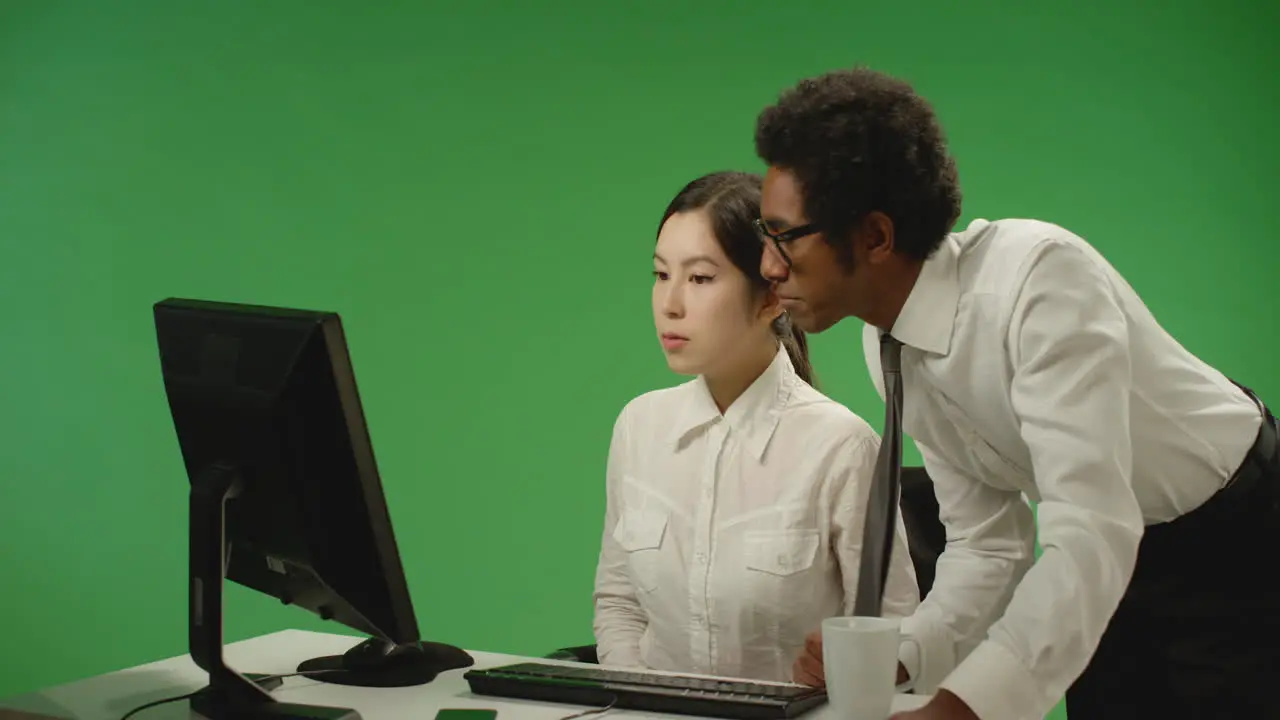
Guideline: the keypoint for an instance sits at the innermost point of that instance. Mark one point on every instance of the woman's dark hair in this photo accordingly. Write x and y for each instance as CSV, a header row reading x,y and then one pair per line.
x,y
731,201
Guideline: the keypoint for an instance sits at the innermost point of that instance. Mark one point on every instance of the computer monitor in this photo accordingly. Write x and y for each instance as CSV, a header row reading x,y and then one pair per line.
x,y
285,497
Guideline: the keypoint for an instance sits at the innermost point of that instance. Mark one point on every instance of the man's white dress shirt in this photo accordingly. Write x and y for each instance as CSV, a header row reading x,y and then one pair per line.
x,y
1030,367
728,538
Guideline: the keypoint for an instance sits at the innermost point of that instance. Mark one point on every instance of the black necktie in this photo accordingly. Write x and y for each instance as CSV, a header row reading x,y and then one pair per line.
x,y
882,502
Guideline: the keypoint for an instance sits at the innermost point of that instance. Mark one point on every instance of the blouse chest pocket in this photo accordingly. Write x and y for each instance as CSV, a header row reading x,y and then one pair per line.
x,y
781,553
640,533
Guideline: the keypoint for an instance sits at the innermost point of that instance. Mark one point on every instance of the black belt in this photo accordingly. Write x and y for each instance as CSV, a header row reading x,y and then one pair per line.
x,y
1261,458
1255,485
1253,488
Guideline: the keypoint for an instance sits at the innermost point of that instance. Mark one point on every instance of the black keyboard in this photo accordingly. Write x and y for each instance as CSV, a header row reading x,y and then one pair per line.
x,y
600,687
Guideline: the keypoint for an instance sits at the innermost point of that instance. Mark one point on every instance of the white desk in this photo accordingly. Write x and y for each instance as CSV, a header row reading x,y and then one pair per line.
x,y
110,696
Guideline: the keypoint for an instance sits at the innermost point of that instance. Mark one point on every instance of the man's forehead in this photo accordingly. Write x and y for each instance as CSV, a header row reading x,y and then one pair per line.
x,y
781,201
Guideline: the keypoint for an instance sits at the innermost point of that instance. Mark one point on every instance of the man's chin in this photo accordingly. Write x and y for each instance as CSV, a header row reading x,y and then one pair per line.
x,y
811,323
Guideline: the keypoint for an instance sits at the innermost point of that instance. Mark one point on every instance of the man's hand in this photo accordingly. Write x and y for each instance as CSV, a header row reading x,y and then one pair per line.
x,y
808,670
943,706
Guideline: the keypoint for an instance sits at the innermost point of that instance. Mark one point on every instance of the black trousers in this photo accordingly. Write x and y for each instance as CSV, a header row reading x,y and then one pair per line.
x,y
1197,634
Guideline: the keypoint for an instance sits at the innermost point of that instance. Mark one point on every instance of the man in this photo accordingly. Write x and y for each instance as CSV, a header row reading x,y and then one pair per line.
x,y
1030,367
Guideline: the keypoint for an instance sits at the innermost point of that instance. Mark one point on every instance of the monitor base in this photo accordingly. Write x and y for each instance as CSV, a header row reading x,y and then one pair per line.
x,y
380,663
203,704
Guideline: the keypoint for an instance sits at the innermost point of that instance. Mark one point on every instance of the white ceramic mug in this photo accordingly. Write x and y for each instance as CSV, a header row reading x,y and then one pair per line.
x,y
860,663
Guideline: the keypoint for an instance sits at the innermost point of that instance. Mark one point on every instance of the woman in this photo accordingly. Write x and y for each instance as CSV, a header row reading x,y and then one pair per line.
x,y
734,501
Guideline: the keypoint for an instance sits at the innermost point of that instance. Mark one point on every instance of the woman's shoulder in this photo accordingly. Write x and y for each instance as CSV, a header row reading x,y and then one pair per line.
x,y
653,407
816,414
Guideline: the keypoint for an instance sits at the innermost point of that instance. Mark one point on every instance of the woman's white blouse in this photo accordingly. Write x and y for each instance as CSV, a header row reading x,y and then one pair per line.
x,y
728,538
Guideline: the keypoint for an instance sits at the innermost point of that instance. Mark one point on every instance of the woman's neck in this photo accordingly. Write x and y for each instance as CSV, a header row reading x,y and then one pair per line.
x,y
728,384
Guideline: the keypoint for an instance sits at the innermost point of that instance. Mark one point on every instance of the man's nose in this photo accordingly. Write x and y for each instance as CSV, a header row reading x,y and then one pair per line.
x,y
772,267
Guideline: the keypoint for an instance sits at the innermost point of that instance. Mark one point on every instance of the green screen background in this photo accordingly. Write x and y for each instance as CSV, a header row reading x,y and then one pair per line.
x,y
476,191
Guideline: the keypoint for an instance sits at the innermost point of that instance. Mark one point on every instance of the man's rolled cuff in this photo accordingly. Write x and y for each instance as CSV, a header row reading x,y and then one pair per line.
x,y
997,686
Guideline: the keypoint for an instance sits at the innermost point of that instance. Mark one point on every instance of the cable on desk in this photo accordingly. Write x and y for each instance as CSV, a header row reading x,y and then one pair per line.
x,y
156,703
596,711
187,696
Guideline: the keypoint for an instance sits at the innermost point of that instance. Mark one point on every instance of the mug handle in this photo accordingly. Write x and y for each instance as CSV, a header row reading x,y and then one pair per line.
x,y
909,685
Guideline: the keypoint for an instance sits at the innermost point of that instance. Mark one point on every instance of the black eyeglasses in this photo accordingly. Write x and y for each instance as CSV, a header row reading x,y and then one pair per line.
x,y
780,239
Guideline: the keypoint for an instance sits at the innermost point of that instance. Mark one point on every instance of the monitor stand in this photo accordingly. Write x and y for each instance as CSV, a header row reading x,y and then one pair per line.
x,y
229,695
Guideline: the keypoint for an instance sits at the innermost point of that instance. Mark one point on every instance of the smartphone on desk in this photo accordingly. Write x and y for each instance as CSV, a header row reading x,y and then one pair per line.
x,y
466,714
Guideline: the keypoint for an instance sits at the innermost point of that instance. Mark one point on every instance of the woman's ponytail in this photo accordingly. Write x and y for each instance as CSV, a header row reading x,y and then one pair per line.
x,y
793,339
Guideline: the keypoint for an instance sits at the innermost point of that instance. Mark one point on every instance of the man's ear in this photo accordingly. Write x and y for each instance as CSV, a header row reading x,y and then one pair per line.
x,y
874,238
